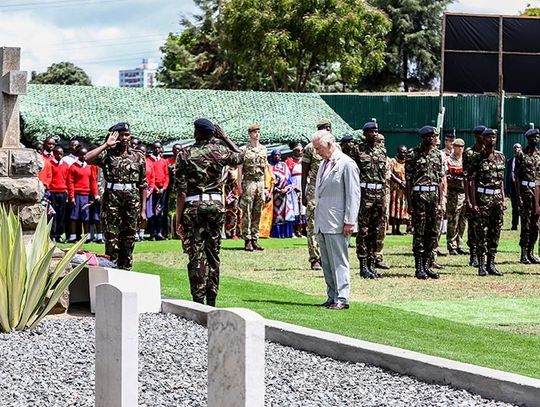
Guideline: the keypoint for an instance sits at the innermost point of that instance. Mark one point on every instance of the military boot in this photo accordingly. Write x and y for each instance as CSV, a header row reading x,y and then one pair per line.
x,y
419,267
248,247
371,264
200,300
211,301
364,270
491,269
524,259
256,246
532,257
473,259
428,266
482,270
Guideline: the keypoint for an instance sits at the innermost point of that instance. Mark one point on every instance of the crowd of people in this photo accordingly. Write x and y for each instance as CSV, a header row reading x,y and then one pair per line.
x,y
215,189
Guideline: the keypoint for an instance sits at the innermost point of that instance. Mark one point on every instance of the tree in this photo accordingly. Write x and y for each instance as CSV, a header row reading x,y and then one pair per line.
x,y
412,58
293,44
63,73
531,11
195,58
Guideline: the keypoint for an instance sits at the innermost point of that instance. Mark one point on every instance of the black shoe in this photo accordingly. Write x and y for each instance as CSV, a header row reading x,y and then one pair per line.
x,y
482,271
99,241
533,259
59,239
473,260
71,241
462,251
365,272
513,227
453,252
429,263
211,301
524,259
316,265
491,269
419,271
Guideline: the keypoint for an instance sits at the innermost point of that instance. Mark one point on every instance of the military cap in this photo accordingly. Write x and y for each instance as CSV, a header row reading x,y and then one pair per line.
x,y
532,132
428,130
479,129
323,123
346,137
458,142
450,135
204,125
489,132
254,127
119,127
370,126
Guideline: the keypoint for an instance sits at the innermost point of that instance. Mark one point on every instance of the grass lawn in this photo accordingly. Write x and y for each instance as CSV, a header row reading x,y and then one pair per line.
x,y
488,321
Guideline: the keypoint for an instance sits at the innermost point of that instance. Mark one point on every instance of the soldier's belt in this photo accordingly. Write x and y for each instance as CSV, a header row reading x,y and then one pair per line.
x,y
204,197
425,188
488,191
369,185
120,187
530,184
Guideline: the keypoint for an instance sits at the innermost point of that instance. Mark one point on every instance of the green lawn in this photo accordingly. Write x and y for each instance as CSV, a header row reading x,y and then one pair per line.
x,y
488,321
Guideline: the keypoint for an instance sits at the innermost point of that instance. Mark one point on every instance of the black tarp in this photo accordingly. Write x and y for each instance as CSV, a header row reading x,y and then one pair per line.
x,y
471,54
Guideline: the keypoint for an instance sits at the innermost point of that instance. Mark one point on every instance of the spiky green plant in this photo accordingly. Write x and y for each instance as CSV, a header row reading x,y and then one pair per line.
x,y
28,290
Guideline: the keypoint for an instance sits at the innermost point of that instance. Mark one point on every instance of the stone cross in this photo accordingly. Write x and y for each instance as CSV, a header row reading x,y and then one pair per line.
x,y
12,84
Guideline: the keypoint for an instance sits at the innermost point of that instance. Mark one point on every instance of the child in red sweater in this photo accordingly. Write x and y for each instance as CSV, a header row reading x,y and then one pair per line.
x,y
58,192
82,191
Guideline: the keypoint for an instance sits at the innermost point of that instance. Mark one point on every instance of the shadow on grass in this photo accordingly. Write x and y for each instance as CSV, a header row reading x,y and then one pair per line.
x,y
300,304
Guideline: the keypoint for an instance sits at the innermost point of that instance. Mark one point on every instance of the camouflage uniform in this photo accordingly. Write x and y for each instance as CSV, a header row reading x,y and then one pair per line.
x,y
314,160
489,178
455,204
252,199
424,171
526,166
471,156
373,165
198,171
125,177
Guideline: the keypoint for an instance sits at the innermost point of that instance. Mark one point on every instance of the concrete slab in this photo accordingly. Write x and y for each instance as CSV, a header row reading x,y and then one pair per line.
x,y
488,383
146,286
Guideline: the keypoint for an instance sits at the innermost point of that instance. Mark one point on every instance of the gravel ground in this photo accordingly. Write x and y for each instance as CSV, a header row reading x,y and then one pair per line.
x,y
54,366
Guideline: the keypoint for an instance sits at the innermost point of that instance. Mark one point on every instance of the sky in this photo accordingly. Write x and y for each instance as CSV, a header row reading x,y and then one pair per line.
x,y
104,36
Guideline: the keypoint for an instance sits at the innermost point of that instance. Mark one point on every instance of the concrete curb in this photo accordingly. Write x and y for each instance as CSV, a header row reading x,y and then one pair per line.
x,y
486,382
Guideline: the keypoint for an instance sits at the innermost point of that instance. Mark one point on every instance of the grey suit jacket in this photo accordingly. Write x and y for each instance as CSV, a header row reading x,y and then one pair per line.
x,y
337,194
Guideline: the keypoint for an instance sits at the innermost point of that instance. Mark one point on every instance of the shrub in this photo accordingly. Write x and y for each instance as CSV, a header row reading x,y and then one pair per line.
x,y
28,290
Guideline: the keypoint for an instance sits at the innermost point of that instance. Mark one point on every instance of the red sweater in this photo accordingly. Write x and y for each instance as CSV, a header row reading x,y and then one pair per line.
x,y
45,175
150,177
161,171
59,176
81,180
47,156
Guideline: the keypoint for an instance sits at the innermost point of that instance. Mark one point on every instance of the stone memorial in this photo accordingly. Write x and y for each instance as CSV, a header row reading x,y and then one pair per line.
x,y
235,358
20,188
117,341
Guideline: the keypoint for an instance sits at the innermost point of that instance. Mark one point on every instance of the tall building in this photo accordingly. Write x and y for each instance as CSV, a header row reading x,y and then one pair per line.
x,y
142,77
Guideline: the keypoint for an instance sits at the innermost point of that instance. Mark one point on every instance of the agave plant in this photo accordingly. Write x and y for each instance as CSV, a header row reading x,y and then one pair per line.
x,y
28,290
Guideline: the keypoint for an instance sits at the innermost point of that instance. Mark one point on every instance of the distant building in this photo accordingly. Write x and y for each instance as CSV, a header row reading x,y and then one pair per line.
x,y
142,77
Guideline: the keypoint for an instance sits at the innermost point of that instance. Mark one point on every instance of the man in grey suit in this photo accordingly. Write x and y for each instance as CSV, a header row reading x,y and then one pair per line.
x,y
337,198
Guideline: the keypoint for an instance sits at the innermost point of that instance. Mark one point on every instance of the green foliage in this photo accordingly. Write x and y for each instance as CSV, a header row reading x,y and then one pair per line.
x,y
63,73
531,12
296,42
413,53
195,59
28,291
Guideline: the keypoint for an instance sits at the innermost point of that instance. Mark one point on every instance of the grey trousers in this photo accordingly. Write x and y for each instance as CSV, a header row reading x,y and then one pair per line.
x,y
335,264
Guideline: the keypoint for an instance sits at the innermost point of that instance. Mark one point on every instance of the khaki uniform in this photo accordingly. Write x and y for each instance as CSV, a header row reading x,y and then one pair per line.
x,y
252,199
455,204
314,160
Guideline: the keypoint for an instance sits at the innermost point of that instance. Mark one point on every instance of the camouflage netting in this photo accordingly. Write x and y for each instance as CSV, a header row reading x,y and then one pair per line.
x,y
86,112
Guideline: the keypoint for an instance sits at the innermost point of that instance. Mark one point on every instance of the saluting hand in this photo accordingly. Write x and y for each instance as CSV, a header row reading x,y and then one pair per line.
x,y
112,140
219,133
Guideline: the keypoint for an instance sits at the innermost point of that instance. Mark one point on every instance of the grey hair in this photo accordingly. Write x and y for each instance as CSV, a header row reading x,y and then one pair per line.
x,y
323,137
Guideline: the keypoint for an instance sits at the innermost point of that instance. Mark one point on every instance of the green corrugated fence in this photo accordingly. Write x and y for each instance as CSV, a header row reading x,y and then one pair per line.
x,y
400,116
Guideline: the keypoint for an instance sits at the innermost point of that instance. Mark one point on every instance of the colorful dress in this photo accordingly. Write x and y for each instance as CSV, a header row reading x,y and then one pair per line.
x,y
265,226
398,198
283,201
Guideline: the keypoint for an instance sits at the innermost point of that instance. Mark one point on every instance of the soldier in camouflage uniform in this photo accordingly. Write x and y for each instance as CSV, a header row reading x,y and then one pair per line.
x,y
252,183
526,165
371,159
310,166
381,234
199,205
488,202
424,175
470,160
124,200
455,203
